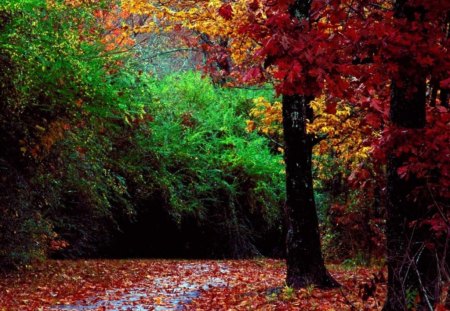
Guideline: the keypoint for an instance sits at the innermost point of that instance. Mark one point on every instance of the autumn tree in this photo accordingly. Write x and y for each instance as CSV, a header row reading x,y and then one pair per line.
x,y
286,45
400,53
65,94
343,171
398,45
411,259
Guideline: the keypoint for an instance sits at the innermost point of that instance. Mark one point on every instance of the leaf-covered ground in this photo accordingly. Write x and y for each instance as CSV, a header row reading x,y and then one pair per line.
x,y
182,285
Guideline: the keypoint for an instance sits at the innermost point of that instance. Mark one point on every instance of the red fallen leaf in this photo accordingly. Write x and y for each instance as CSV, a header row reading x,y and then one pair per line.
x,y
246,284
226,11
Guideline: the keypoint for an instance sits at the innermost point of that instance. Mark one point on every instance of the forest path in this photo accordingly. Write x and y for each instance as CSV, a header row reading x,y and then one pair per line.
x,y
140,285
176,289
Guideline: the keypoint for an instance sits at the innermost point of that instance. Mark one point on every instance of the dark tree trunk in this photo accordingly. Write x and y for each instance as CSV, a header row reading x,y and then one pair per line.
x,y
412,267
305,264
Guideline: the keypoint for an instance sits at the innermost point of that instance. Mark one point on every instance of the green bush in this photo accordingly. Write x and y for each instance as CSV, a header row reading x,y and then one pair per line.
x,y
84,162
210,166
200,138
57,92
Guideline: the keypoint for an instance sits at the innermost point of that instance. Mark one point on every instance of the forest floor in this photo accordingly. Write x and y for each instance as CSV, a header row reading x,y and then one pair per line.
x,y
140,285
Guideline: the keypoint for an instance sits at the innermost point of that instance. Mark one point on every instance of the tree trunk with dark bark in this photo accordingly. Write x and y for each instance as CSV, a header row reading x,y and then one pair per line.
x,y
305,264
412,267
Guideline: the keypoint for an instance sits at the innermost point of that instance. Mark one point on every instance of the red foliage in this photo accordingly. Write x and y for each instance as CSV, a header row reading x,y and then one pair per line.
x,y
353,50
359,232
226,11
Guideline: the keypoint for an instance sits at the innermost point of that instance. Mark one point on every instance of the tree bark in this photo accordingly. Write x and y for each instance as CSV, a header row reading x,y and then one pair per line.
x,y
412,268
305,264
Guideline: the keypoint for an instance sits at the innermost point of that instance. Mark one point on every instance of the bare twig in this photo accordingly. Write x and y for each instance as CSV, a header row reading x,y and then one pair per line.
x,y
348,301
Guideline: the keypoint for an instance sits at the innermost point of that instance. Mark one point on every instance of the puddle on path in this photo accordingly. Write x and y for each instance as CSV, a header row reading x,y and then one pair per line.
x,y
159,294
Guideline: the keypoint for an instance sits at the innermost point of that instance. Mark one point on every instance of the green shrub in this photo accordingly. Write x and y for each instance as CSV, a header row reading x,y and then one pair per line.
x,y
94,148
55,90
207,167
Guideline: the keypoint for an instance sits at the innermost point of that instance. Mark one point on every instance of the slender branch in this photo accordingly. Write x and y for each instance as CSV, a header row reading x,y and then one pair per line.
x,y
348,301
422,288
274,141
441,212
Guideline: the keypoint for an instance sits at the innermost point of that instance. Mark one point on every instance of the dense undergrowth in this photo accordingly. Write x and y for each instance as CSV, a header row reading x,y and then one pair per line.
x,y
99,158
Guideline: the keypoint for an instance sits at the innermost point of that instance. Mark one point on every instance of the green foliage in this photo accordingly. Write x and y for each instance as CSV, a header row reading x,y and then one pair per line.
x,y
411,298
205,166
288,293
24,232
60,60
56,82
205,150
358,260
83,158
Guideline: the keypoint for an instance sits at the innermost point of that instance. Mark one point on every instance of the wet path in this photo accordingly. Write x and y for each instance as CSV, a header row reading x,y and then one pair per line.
x,y
162,293
159,284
